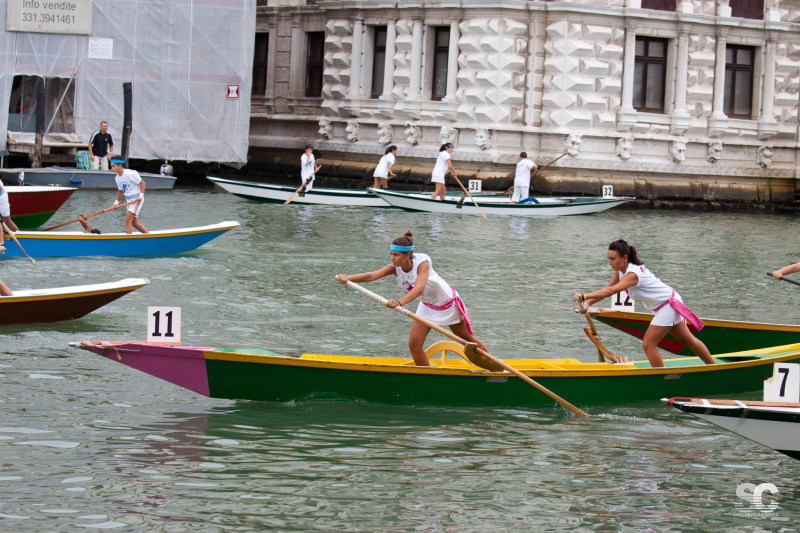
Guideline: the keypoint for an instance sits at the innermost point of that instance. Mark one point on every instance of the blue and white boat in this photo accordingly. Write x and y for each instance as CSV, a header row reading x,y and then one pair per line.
x,y
278,194
78,244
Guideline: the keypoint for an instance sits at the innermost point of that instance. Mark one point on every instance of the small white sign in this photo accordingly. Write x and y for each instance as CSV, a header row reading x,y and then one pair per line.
x,y
164,324
608,191
784,385
101,48
475,185
233,92
623,302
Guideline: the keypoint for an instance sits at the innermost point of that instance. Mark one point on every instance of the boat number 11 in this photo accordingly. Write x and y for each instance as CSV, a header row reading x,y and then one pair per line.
x,y
164,324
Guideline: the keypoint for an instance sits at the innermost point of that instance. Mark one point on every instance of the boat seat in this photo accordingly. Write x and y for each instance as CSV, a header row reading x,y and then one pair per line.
x,y
442,347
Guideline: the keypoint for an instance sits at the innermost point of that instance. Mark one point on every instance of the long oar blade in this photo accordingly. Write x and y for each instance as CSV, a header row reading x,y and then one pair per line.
x,y
485,355
90,215
784,278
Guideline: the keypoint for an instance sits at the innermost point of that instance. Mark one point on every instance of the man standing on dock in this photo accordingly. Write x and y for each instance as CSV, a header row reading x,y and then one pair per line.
x,y
101,145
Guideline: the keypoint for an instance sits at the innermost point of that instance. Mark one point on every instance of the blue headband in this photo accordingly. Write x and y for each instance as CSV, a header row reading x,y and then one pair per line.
x,y
398,248
118,161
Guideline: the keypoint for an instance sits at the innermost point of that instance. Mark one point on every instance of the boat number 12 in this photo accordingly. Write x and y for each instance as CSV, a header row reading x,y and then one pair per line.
x,y
475,185
623,302
164,324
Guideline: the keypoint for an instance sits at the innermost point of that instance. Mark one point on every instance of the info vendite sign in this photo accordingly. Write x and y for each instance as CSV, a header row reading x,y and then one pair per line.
x,y
49,16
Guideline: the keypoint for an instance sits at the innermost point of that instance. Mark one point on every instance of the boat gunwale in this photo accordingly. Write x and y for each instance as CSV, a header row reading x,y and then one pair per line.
x,y
79,235
714,322
62,293
361,363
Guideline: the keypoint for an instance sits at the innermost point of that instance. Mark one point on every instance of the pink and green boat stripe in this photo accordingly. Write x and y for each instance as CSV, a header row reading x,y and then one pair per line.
x,y
720,336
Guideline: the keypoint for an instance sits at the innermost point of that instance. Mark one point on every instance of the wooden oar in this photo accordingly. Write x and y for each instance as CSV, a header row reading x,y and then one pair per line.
x,y
89,216
5,229
477,356
470,196
784,278
301,187
594,336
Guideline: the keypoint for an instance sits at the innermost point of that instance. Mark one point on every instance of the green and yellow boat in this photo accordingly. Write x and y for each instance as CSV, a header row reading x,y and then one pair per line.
x,y
262,375
720,336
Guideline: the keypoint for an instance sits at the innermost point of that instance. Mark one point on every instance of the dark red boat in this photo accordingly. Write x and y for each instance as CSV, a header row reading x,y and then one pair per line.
x,y
32,206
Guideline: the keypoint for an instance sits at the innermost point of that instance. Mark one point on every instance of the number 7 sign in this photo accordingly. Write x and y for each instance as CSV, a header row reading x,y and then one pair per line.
x,y
164,325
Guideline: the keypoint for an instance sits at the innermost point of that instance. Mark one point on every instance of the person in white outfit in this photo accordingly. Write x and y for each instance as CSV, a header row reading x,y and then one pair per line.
x,y
5,210
130,185
442,166
439,302
522,177
384,168
308,167
671,315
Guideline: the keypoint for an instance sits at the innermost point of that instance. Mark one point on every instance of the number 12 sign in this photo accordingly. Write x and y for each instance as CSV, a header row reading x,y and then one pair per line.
x,y
164,324
623,302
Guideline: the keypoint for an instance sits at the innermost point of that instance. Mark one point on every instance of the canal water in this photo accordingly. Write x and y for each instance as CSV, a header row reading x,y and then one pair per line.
x,y
87,444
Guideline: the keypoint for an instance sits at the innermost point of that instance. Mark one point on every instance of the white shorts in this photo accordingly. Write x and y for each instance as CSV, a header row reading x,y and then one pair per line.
x,y
667,316
445,317
5,206
436,179
135,208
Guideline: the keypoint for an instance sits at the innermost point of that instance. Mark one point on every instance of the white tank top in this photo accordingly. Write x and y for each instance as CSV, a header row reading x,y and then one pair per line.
x,y
650,290
437,291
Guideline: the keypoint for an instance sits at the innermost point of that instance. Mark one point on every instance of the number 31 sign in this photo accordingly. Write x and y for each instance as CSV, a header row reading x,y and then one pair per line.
x,y
164,324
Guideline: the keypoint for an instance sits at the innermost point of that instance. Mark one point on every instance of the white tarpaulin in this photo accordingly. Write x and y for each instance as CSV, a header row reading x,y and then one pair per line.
x,y
181,57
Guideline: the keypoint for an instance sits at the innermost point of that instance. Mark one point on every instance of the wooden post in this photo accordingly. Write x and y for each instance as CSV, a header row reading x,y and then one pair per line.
x,y
41,107
127,119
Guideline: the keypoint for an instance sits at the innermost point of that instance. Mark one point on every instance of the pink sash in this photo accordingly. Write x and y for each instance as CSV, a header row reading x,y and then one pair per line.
x,y
684,311
459,305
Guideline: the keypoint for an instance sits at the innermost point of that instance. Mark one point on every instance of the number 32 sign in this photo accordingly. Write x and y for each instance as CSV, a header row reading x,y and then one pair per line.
x,y
164,324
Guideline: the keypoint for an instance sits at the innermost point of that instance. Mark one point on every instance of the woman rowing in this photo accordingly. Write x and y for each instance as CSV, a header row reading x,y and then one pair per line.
x,y
439,302
631,276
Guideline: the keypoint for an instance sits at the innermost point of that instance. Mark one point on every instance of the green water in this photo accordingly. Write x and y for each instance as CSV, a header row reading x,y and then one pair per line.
x,y
87,443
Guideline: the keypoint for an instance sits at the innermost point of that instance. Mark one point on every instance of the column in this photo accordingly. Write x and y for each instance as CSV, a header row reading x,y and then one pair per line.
x,y
717,122
388,72
297,59
680,119
626,116
767,125
355,61
452,63
416,61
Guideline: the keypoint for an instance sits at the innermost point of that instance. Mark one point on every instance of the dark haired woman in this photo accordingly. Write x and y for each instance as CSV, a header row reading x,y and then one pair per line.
x,y
442,166
631,276
384,168
439,302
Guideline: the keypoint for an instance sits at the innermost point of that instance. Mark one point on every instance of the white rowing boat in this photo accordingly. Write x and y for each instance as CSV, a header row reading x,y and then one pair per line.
x,y
267,192
535,206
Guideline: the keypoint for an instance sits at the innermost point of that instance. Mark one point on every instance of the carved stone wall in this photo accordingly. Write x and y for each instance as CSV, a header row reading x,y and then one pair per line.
x,y
491,70
582,75
336,73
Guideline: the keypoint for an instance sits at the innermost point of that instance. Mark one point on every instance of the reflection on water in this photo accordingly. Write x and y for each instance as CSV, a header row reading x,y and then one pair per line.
x,y
91,444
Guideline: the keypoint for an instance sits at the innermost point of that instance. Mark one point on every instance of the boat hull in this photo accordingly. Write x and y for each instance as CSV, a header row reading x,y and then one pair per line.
x,y
264,376
66,303
499,205
278,194
82,179
774,426
720,336
78,244
33,206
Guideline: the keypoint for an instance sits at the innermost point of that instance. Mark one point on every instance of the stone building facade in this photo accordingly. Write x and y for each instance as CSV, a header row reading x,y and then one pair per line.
x,y
694,99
